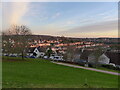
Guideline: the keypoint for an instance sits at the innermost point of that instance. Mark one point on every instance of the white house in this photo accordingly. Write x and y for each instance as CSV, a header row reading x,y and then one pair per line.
x,y
36,51
103,59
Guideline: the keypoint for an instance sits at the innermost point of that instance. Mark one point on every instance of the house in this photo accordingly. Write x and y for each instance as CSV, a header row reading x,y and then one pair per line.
x,y
106,58
103,59
98,57
72,54
36,51
84,55
114,57
52,53
77,54
91,56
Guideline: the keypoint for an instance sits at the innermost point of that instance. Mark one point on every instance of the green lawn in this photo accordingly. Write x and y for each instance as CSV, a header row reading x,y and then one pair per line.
x,y
38,73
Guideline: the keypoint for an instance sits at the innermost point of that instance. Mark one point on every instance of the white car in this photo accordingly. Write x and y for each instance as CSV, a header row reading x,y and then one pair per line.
x,y
51,57
45,57
58,58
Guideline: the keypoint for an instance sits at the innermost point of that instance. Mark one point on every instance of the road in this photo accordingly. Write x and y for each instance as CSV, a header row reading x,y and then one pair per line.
x,y
87,68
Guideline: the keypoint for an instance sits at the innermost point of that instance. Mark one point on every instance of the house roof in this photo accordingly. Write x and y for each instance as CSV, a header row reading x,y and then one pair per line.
x,y
31,49
84,55
77,51
97,53
114,57
40,49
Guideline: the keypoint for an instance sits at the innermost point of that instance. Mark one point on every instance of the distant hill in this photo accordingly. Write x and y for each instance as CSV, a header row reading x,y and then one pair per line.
x,y
49,37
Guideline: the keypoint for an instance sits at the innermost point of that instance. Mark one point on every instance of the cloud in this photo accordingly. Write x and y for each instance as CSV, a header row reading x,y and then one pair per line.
x,y
70,22
13,12
18,11
56,15
97,27
46,29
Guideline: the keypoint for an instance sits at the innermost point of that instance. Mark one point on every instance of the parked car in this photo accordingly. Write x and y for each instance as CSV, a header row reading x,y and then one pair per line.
x,y
45,57
12,55
6,55
32,56
58,58
26,56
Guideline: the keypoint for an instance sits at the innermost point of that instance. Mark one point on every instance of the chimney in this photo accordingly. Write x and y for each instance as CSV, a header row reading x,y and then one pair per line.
x,y
82,50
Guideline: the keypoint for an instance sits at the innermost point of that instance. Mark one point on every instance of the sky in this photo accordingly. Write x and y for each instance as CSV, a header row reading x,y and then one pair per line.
x,y
71,19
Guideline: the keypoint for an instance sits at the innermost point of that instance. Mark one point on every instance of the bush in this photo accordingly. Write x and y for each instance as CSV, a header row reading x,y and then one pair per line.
x,y
90,65
81,64
107,65
117,67
110,67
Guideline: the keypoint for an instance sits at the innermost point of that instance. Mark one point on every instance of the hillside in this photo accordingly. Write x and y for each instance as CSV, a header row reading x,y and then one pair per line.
x,y
38,73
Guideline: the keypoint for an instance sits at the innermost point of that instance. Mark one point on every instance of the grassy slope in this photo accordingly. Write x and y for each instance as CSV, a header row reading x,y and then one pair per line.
x,y
44,74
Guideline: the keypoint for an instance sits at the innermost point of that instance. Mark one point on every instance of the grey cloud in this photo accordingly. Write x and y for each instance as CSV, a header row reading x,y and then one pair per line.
x,y
96,27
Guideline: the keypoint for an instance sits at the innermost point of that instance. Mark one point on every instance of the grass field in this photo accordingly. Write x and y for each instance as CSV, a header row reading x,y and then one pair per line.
x,y
38,73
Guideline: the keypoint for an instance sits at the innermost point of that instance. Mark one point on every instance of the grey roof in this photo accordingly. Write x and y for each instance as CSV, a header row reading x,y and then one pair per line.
x,y
31,49
84,55
114,57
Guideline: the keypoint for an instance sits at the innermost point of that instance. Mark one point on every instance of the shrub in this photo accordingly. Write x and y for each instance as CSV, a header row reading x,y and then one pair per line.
x,y
110,67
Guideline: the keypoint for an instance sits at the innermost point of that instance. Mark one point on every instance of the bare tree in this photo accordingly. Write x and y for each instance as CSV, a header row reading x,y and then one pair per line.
x,y
70,54
97,53
18,39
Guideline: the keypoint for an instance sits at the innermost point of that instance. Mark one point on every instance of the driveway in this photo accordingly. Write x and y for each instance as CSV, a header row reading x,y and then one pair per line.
x,y
87,68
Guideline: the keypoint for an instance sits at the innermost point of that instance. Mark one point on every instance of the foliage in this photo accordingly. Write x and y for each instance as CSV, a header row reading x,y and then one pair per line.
x,y
97,53
110,67
115,46
69,55
49,52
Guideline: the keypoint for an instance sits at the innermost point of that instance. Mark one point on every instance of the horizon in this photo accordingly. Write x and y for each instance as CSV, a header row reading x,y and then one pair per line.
x,y
69,36
73,36
69,19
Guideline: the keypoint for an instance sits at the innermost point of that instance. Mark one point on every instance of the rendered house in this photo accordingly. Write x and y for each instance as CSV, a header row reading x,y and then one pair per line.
x,y
102,58
84,55
114,57
72,55
36,51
